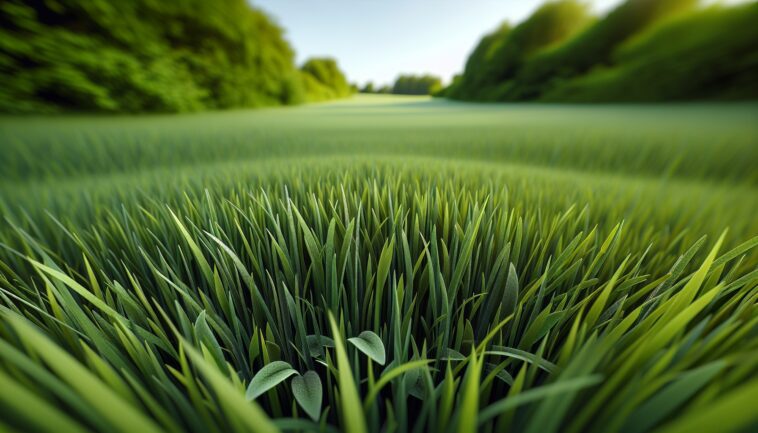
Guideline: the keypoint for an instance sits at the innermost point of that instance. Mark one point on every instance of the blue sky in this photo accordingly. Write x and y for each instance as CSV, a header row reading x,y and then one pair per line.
x,y
378,39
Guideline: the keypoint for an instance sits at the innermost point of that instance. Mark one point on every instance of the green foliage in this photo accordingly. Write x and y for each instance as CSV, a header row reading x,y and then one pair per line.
x,y
323,80
506,290
370,344
705,54
368,88
674,142
268,377
142,55
408,85
501,54
416,85
644,50
591,47
309,393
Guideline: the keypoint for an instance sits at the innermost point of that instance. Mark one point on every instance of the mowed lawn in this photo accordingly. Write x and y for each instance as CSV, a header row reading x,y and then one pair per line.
x,y
383,262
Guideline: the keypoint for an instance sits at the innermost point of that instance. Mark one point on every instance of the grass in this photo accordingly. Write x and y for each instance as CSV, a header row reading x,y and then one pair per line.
x,y
385,264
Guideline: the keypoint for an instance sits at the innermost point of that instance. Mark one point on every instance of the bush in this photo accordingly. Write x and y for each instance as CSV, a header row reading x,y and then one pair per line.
x,y
555,55
323,80
368,88
501,54
416,85
671,61
142,55
591,47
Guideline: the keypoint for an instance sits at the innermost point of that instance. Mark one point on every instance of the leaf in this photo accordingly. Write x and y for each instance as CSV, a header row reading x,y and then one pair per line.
x,y
371,345
464,259
316,344
117,410
382,270
388,376
250,414
685,296
196,251
452,355
510,296
79,289
414,384
523,356
447,397
350,404
205,336
512,401
734,411
469,409
605,294
34,409
308,393
670,398
268,377
541,325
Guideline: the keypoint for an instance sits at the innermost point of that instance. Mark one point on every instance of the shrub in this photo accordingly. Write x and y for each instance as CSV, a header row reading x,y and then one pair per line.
x,y
416,85
500,55
708,54
141,55
323,80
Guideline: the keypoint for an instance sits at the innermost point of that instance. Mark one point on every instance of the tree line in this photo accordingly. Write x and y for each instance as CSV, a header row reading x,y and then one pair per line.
x,y
408,84
643,50
151,56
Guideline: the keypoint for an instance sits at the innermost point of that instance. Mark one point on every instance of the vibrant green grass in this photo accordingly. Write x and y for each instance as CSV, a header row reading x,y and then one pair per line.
x,y
392,264
700,141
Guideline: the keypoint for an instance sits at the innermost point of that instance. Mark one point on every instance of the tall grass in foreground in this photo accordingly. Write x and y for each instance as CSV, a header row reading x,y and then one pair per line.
x,y
359,267
374,301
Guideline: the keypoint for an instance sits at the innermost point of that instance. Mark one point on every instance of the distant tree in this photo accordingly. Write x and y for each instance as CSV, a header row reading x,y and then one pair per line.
x,y
385,90
501,54
556,46
706,54
444,92
323,80
592,47
368,88
142,55
472,84
416,85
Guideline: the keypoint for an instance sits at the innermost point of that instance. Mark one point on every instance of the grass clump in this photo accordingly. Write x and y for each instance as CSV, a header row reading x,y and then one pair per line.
x,y
360,294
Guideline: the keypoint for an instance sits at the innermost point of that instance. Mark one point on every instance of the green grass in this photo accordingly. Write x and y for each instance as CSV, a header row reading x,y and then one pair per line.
x,y
701,141
381,264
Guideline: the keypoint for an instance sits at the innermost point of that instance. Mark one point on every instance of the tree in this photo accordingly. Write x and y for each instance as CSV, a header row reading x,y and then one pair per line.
x,y
368,88
501,54
590,48
142,55
548,55
323,80
416,85
705,54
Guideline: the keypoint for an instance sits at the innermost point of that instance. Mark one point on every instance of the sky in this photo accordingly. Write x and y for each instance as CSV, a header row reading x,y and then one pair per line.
x,y
376,40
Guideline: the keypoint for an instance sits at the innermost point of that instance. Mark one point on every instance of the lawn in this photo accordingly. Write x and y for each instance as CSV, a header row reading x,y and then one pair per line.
x,y
382,264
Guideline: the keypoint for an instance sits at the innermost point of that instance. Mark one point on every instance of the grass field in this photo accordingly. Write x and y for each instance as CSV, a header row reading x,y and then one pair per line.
x,y
382,264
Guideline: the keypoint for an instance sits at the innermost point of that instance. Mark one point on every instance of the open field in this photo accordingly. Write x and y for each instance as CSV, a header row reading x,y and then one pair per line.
x,y
433,266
